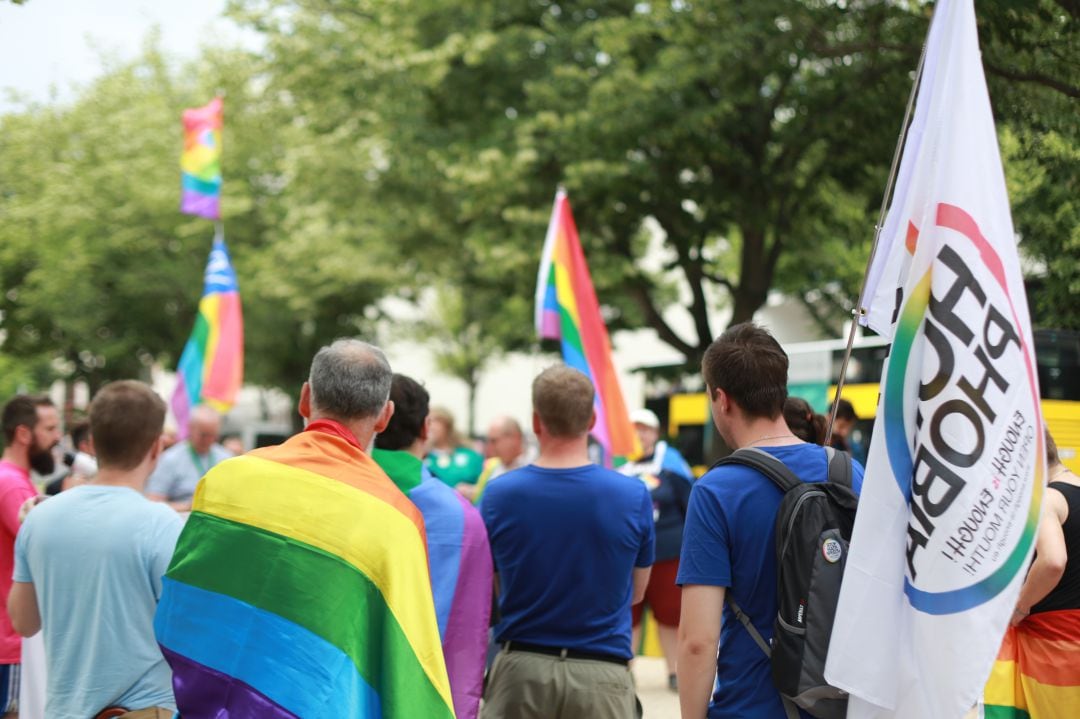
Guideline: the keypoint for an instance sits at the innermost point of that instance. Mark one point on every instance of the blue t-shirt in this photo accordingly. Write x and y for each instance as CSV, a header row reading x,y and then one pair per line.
x,y
730,541
565,543
95,555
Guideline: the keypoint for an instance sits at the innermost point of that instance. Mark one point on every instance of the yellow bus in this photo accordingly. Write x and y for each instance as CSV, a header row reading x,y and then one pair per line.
x,y
815,366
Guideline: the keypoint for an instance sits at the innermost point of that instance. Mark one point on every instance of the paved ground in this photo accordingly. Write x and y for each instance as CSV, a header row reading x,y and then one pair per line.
x,y
651,676
660,702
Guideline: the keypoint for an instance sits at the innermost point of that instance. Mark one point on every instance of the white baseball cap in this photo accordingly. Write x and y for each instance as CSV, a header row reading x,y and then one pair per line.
x,y
645,417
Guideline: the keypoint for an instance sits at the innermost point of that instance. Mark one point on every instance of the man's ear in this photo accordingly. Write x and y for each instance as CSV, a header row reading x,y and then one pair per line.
x,y
304,406
537,426
592,420
156,448
425,427
383,419
23,435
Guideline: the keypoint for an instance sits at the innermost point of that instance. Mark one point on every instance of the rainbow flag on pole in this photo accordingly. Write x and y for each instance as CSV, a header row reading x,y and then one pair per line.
x,y
200,164
211,367
300,588
567,310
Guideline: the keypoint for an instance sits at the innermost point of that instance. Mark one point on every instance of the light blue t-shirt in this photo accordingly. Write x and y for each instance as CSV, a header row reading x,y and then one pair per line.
x,y
179,470
95,555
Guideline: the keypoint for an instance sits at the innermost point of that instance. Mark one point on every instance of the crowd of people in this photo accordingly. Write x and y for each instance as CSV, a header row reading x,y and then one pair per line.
x,y
376,564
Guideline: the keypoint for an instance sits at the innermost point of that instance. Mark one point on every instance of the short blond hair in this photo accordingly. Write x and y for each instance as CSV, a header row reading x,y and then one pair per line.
x,y
563,399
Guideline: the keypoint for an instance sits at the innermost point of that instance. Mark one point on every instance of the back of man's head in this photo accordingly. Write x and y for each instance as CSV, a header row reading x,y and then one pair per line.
x,y
563,400
845,410
126,419
410,410
80,433
749,365
21,411
349,380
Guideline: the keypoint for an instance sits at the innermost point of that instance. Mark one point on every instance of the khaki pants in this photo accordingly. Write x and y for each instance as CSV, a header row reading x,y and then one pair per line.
x,y
523,685
151,713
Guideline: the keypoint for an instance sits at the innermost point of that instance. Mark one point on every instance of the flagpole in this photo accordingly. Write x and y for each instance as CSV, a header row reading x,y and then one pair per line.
x,y
860,309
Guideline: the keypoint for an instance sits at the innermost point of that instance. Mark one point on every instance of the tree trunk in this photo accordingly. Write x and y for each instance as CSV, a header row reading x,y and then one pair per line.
x,y
471,382
755,277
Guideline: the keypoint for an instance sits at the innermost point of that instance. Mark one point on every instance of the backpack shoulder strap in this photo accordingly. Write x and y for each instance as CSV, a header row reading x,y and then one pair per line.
x,y
790,710
839,466
765,463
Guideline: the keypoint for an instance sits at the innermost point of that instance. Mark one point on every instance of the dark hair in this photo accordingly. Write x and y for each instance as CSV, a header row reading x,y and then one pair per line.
x,y
751,367
845,410
563,398
79,432
21,411
126,418
1052,457
803,421
410,410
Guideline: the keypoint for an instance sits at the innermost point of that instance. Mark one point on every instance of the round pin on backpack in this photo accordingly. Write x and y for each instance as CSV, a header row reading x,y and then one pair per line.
x,y
831,550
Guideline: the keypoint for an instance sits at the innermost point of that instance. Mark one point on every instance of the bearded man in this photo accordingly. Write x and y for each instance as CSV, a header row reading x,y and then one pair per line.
x,y
31,430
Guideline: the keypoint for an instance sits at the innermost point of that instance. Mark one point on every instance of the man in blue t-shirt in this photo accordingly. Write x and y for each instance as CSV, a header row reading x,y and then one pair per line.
x,y
88,568
729,541
573,545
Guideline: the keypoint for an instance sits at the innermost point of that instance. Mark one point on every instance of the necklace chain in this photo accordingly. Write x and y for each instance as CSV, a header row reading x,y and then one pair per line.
x,y
1058,473
766,439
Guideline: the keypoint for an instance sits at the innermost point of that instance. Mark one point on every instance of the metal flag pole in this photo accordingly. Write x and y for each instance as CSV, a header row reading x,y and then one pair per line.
x,y
860,309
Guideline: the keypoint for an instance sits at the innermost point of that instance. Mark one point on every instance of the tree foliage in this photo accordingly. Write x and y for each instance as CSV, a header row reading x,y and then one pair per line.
x,y
377,149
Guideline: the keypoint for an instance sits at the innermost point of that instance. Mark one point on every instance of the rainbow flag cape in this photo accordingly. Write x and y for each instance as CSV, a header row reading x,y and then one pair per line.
x,y
567,310
211,367
200,163
461,573
300,588
1037,672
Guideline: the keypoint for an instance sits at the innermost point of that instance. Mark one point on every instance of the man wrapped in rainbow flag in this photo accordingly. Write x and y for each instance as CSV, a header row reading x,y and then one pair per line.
x,y
300,585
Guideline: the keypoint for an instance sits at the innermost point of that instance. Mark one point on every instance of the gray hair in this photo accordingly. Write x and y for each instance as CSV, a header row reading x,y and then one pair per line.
x,y
350,379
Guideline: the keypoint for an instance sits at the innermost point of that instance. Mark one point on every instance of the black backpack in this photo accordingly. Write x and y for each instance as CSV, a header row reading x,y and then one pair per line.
x,y
813,528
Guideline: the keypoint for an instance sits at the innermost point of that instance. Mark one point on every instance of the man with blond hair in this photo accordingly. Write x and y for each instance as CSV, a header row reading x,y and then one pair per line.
x,y
573,545
93,557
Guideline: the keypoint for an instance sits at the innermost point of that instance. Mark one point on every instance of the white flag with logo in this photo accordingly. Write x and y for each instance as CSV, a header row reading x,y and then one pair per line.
x,y
949,509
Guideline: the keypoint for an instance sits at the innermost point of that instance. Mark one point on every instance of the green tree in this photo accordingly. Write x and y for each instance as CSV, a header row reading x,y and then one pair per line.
x,y
100,271
1031,53
755,135
728,124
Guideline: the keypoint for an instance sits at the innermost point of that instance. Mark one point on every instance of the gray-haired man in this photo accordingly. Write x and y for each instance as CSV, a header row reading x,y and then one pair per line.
x,y
299,567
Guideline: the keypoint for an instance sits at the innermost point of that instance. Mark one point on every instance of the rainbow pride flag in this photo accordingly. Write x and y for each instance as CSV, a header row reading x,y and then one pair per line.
x,y
300,588
567,310
1037,672
211,367
200,163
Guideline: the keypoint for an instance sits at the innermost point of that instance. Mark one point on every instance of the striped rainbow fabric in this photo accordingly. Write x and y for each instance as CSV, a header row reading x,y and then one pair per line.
x,y
567,310
1037,672
211,367
461,573
300,588
200,163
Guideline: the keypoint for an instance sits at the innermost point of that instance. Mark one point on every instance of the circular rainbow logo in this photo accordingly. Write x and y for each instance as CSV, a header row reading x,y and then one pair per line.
x,y
897,441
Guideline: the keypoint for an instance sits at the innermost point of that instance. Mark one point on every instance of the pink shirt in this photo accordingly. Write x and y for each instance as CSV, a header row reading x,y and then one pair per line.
x,y
15,489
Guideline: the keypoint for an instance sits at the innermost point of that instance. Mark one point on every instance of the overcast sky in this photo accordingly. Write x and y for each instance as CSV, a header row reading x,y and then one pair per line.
x,y
55,45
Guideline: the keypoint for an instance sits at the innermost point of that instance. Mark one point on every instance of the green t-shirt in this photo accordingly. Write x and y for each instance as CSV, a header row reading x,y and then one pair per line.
x,y
461,465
